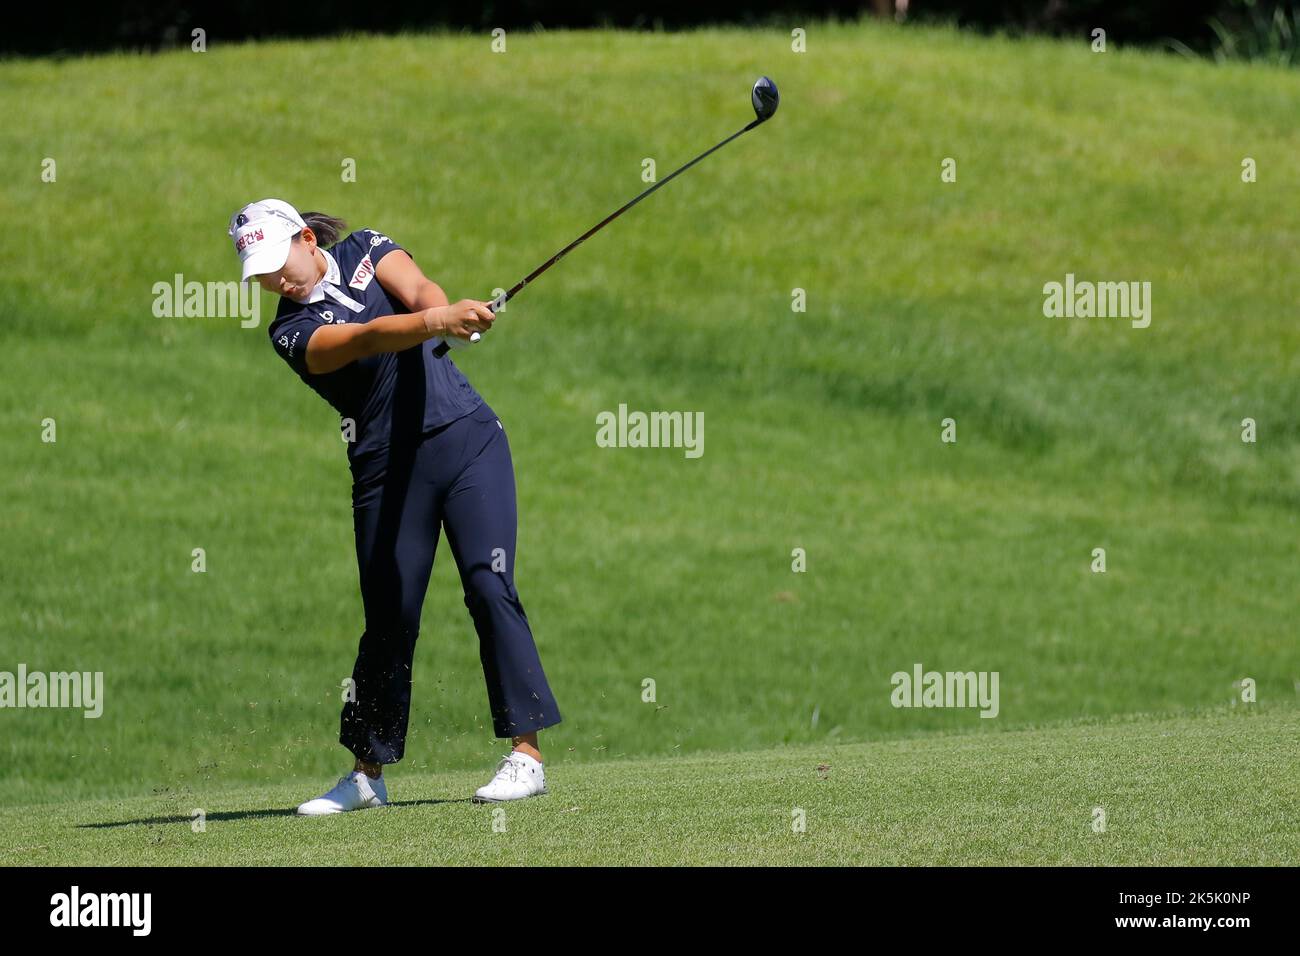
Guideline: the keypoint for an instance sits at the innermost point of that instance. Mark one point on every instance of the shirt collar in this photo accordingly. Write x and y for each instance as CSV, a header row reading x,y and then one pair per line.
x,y
332,277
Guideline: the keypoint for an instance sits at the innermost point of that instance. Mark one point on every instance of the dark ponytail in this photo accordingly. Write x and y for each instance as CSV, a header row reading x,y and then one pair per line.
x,y
328,229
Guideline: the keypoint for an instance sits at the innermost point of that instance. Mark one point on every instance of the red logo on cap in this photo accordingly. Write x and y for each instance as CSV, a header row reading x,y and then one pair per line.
x,y
252,237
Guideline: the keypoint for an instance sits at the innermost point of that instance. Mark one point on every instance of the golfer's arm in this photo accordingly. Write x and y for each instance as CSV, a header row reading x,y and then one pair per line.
x,y
428,296
401,277
333,346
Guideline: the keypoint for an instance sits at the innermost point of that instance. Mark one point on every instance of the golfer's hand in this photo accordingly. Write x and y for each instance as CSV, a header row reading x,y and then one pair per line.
x,y
462,319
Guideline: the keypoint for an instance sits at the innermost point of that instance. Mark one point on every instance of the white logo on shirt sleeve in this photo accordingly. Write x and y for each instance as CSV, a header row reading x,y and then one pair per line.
x,y
288,345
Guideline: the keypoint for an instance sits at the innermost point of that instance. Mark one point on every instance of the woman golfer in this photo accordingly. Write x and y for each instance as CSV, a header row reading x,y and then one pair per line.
x,y
358,322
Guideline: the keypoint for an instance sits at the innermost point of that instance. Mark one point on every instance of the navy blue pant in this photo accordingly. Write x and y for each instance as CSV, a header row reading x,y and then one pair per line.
x,y
461,477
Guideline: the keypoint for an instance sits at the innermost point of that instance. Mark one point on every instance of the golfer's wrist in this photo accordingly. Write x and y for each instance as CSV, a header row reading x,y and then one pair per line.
x,y
435,321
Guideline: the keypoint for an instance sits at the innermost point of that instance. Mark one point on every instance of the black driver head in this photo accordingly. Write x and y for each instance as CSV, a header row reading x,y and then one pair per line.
x,y
765,98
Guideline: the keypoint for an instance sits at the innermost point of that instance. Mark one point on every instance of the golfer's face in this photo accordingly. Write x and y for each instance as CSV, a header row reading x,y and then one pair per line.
x,y
297,276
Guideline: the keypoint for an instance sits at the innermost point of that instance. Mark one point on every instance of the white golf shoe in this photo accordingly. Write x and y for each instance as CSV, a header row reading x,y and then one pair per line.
x,y
518,776
354,791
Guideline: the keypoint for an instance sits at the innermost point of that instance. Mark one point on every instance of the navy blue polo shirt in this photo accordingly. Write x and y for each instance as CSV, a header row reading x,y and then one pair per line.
x,y
392,397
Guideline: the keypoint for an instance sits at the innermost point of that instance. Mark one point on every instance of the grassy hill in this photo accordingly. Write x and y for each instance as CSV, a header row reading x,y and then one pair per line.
x,y
924,302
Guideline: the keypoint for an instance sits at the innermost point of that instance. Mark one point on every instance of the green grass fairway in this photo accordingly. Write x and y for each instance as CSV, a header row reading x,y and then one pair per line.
x,y
822,432
1215,789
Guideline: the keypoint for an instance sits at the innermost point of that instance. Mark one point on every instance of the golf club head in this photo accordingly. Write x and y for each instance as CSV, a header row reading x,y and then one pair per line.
x,y
765,98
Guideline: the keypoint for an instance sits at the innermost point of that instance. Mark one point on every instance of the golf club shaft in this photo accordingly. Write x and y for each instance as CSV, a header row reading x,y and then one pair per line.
x,y
443,347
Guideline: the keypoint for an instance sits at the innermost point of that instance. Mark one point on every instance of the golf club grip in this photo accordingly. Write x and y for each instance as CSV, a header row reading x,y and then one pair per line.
x,y
442,348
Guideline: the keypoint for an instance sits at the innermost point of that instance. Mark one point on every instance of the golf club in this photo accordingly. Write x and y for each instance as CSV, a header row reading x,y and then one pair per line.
x,y
765,100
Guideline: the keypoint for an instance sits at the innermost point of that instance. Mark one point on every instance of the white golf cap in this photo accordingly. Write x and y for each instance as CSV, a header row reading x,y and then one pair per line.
x,y
261,232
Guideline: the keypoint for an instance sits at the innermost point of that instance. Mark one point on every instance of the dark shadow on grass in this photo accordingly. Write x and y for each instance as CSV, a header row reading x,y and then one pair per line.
x,y
243,815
